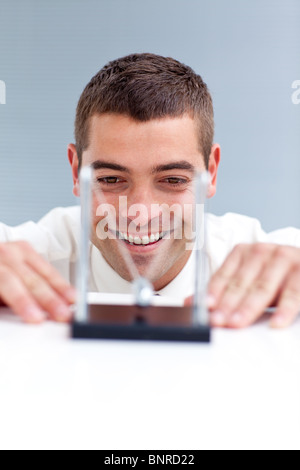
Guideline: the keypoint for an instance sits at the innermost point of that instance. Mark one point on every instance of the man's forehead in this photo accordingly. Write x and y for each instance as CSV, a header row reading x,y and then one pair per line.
x,y
121,139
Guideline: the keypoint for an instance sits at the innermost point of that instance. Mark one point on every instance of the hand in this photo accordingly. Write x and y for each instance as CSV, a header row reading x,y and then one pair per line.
x,y
252,278
31,287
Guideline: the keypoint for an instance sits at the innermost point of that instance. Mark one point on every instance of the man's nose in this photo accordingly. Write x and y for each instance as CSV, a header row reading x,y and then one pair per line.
x,y
141,205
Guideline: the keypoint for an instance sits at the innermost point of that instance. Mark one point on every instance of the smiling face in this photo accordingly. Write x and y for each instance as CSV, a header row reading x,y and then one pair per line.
x,y
152,164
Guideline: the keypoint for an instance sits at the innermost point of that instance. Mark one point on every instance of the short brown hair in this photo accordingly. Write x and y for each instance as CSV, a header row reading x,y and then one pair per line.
x,y
145,87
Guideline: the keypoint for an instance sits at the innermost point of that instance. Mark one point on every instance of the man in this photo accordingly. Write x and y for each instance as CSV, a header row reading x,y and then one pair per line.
x,y
145,125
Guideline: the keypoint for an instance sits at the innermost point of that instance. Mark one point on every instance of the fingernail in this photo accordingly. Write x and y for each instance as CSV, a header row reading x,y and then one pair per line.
x,y
278,322
210,301
236,318
63,313
71,295
218,318
34,315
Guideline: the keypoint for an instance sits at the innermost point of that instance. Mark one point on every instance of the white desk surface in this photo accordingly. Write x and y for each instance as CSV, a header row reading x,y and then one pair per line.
x,y
240,392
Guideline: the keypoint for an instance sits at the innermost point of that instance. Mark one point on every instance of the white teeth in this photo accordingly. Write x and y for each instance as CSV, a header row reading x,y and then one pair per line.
x,y
146,240
137,241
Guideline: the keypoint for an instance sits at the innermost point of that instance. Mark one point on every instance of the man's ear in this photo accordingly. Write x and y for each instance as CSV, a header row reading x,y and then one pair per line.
x,y
73,159
213,164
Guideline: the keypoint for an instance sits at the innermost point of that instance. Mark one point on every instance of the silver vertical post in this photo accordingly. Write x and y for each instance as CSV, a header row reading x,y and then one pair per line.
x,y
200,315
83,264
142,287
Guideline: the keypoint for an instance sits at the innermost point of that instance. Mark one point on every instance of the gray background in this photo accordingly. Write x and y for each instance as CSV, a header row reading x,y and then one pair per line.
x,y
247,52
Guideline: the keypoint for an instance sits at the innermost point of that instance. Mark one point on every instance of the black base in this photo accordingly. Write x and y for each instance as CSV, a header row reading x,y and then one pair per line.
x,y
134,323
138,332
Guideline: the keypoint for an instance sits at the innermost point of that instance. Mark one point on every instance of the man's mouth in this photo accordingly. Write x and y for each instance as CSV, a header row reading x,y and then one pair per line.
x,y
145,240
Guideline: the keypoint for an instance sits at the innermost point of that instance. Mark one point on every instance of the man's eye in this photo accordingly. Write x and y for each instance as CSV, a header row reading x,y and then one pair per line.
x,y
109,180
176,181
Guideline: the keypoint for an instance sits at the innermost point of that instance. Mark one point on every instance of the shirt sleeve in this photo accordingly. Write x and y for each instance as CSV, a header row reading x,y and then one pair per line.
x,y
235,228
287,236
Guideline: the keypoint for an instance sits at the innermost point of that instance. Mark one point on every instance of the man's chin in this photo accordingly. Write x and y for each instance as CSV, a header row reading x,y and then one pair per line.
x,y
152,261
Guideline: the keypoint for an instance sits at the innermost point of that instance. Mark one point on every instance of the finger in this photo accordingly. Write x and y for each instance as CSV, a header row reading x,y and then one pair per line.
x,y
38,286
14,295
263,290
188,301
222,276
45,296
52,276
288,307
241,282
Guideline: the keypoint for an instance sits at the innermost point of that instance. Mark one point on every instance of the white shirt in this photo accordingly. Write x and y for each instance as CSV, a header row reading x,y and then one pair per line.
x,y
56,236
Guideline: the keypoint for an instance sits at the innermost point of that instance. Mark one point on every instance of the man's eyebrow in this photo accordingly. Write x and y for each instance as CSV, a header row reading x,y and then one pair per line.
x,y
182,165
101,164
